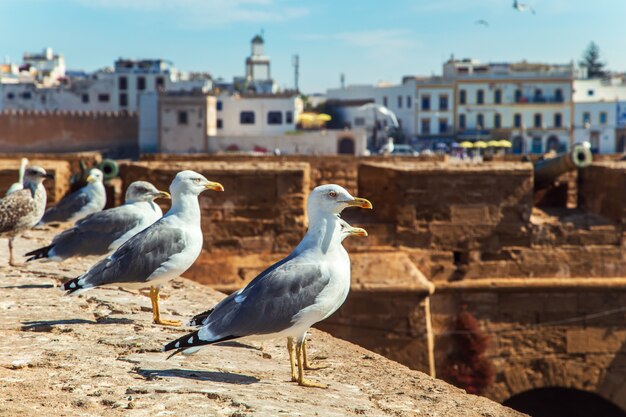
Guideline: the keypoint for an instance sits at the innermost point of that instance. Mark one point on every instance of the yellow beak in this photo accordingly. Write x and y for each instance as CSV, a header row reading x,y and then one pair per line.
x,y
90,179
163,194
359,202
215,186
357,231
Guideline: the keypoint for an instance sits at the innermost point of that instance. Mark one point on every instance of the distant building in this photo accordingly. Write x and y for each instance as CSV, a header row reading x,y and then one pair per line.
x,y
258,71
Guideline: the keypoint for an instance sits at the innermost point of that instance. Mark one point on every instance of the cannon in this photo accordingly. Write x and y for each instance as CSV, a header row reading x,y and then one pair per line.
x,y
548,170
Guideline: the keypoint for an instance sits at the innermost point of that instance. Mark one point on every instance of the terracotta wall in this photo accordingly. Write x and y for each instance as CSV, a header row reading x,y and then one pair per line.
x,y
113,133
603,190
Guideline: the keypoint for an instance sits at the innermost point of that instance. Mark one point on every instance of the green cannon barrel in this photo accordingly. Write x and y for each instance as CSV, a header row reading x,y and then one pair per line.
x,y
548,170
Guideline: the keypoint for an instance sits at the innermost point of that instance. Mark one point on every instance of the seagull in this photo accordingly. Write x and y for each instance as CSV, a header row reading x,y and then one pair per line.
x,y
522,7
104,231
290,296
19,185
202,318
482,22
160,252
78,205
23,209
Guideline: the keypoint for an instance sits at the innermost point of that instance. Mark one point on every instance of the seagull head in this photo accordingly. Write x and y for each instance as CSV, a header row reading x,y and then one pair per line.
x,y
95,175
347,230
190,182
35,175
332,199
144,191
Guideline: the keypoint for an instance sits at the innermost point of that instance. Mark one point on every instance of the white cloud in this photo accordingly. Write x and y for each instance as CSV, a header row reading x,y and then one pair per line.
x,y
206,13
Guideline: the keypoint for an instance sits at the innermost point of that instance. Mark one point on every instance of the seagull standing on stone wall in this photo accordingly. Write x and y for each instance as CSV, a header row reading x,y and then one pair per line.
x,y
80,204
289,297
23,209
159,253
103,232
19,185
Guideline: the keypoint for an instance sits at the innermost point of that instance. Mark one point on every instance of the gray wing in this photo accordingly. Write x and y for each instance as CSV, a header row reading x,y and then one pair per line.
x,y
16,210
65,208
269,303
94,234
138,258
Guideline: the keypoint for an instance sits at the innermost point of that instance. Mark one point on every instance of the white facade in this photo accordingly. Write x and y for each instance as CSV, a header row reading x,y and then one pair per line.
x,y
435,109
257,115
47,67
599,107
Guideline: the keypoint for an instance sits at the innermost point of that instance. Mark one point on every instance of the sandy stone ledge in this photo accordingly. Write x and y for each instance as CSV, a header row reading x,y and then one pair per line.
x,y
98,354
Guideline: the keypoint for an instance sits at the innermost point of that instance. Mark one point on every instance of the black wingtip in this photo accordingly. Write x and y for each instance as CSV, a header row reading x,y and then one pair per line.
x,y
198,319
38,253
71,286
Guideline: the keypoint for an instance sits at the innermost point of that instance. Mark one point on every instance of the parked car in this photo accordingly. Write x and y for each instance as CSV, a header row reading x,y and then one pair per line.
x,y
406,150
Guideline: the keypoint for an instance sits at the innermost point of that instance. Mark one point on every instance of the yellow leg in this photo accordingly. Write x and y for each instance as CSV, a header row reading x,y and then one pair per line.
x,y
156,313
301,380
307,365
292,359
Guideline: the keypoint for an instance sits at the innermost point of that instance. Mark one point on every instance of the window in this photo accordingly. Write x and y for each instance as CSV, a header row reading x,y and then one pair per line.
x,y
497,96
497,121
480,97
26,95
123,99
359,121
10,96
246,118
43,98
183,118
85,98
462,97
425,102
517,120
141,83
289,117
103,98
443,102
200,115
558,120
538,96
518,95
274,118
122,83
603,118
426,126
461,121
220,124
443,125
159,83
408,102
590,93
537,120
537,146
480,121
558,95
385,103
399,102
586,117
218,105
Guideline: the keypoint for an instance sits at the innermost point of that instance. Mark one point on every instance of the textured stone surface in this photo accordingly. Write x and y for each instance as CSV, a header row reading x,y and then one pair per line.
x,y
55,188
98,354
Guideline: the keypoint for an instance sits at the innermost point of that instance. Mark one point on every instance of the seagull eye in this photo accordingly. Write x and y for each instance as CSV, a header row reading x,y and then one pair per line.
x,y
332,194
197,180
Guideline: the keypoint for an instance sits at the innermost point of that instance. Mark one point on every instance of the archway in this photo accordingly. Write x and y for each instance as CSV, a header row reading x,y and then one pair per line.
x,y
346,146
553,144
621,144
563,402
518,144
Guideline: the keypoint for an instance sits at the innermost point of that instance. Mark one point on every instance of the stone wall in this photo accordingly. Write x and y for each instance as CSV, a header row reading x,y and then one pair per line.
x,y
113,133
603,190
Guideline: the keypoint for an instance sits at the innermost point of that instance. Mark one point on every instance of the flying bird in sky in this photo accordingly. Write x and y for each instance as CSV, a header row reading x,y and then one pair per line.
x,y
522,7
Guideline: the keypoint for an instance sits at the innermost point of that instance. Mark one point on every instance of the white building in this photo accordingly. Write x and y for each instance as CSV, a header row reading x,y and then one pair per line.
x,y
600,114
46,67
435,109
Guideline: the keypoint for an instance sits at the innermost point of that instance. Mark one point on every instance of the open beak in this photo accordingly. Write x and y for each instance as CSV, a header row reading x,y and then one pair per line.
x,y
163,194
357,231
359,202
215,186
90,179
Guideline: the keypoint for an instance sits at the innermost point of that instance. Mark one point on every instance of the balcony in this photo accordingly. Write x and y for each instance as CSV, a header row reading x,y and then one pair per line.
x,y
538,99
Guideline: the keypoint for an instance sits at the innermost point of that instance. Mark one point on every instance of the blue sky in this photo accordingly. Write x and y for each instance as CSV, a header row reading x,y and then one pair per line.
x,y
368,41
